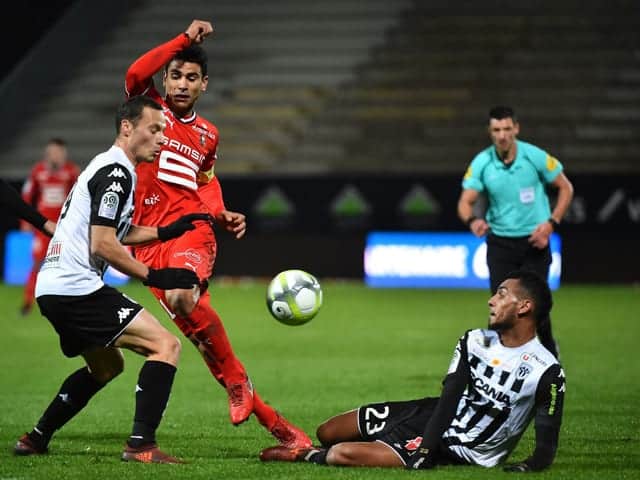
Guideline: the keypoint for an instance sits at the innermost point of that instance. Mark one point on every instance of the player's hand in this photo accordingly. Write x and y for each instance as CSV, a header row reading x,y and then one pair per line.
x,y
540,236
517,467
421,460
233,222
198,31
183,224
479,227
170,278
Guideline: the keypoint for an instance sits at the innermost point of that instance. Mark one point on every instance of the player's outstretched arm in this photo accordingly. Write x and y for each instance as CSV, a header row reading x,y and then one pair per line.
x,y
453,387
139,234
105,244
549,406
13,202
139,77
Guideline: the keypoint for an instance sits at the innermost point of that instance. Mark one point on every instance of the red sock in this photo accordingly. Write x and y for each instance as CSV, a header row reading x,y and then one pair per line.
x,y
214,344
265,414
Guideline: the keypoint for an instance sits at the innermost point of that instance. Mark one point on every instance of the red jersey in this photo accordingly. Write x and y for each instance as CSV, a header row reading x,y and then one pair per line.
x,y
168,187
47,189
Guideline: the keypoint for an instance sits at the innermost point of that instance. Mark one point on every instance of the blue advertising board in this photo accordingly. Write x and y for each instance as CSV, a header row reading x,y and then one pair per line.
x,y
435,260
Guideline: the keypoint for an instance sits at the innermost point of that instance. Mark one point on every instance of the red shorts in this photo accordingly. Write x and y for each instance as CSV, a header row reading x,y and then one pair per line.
x,y
194,250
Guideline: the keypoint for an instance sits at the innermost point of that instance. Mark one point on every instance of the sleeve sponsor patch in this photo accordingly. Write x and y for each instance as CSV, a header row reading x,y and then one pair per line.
x,y
109,205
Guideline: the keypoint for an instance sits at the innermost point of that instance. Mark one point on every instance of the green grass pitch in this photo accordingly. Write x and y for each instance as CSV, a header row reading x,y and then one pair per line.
x,y
365,345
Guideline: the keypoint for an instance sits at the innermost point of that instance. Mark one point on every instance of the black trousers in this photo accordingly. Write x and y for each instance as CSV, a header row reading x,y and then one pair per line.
x,y
505,254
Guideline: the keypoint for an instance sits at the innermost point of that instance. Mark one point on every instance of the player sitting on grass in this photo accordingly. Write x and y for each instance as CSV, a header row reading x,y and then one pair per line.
x,y
498,381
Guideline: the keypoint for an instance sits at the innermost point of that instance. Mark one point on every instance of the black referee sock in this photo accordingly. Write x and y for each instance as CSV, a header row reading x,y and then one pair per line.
x,y
152,394
74,394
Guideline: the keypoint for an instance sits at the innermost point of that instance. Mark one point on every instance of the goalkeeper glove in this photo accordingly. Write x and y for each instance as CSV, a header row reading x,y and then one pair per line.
x,y
170,278
184,223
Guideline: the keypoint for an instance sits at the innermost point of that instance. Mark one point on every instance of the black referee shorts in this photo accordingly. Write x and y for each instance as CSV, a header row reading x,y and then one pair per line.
x,y
506,254
88,321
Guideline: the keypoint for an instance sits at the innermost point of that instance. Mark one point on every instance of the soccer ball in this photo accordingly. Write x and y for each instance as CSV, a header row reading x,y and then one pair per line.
x,y
294,297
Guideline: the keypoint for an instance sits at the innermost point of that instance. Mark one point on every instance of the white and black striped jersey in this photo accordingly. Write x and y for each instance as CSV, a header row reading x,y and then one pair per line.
x,y
102,195
506,388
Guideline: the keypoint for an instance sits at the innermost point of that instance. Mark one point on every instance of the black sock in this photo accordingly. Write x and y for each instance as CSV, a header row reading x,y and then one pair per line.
x,y
316,455
74,394
152,394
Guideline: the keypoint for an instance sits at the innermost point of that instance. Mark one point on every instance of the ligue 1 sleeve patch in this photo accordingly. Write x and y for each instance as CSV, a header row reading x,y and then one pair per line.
x,y
109,205
468,173
552,163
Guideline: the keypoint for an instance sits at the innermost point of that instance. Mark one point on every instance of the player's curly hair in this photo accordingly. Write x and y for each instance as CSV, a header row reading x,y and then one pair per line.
x,y
538,288
192,54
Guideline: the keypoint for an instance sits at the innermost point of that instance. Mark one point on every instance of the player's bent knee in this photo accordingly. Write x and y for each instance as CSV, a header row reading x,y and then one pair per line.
x,y
168,348
106,373
325,435
181,302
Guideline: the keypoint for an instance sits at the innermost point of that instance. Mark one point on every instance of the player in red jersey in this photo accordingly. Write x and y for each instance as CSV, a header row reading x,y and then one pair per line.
x,y
46,189
179,181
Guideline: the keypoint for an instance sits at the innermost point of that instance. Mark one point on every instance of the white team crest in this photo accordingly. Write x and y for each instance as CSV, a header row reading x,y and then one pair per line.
x,y
117,172
115,187
109,205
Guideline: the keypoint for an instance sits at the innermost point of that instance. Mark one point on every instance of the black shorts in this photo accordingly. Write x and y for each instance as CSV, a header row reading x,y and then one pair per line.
x,y
88,321
399,425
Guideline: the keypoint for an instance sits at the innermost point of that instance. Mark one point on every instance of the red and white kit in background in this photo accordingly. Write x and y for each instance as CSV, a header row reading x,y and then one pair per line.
x,y
46,189
180,181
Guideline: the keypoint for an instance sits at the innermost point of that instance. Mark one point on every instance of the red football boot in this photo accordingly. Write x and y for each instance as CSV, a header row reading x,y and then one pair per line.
x,y
25,446
240,401
148,454
284,454
289,435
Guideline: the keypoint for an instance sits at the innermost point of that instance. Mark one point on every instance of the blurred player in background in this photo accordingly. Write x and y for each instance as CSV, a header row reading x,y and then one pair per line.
x,y
499,379
181,180
46,189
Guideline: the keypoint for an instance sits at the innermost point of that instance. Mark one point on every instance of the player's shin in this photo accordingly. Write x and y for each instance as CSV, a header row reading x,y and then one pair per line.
x,y
152,394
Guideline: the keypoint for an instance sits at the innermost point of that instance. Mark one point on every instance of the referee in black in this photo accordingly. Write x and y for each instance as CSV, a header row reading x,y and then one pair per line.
x,y
514,175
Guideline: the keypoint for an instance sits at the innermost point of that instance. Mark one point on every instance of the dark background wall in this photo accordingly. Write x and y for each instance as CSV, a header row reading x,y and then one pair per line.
x,y
398,130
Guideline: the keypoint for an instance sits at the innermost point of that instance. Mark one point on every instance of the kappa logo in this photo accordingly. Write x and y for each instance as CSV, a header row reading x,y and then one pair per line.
x,y
117,172
123,313
115,187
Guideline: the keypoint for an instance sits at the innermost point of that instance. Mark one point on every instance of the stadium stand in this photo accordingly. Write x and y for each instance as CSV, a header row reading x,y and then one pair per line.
x,y
344,85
